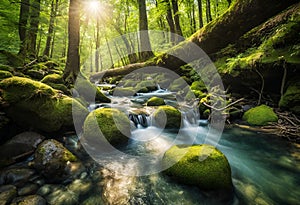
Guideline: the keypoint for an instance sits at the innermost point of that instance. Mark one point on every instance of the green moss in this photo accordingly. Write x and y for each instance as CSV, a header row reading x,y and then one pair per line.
x,y
200,165
260,115
35,74
155,101
128,91
291,98
149,84
89,91
114,125
206,114
168,117
53,78
60,87
18,88
35,104
198,85
6,68
5,74
178,84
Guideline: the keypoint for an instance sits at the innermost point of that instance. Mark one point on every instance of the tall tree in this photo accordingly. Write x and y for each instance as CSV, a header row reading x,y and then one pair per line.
x,y
169,18
208,12
145,46
23,20
34,25
53,13
72,68
200,13
176,19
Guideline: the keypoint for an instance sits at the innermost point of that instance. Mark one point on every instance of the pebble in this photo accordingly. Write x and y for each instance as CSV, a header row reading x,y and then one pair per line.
x,y
7,193
28,189
29,200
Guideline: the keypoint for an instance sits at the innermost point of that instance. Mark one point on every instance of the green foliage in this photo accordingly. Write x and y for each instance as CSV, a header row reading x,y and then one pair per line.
x,y
260,115
155,101
113,124
200,165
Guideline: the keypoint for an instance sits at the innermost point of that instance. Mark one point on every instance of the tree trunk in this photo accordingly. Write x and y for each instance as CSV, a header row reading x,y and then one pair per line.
x,y
109,52
208,11
214,36
176,19
72,68
169,18
54,7
145,46
200,13
34,25
97,54
23,19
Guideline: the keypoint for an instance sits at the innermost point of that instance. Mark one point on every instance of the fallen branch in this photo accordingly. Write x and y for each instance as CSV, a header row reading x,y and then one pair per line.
x,y
29,64
223,108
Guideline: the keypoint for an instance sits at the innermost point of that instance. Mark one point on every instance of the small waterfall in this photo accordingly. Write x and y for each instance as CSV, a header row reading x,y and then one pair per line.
x,y
140,120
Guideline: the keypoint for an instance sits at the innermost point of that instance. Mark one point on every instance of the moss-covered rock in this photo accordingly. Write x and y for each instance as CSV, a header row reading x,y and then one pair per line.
x,y
35,104
149,84
113,124
178,85
89,91
60,87
291,98
53,160
35,74
53,78
198,85
260,115
168,117
155,101
7,193
200,165
4,74
118,91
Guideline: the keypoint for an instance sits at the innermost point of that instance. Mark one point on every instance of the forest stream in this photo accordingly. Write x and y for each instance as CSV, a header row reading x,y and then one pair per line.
x,y
262,172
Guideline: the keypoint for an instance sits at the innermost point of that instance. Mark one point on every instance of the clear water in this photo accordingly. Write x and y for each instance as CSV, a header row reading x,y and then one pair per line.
x,y
265,170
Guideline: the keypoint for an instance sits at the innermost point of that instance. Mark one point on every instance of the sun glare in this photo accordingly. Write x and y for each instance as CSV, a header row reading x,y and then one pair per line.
x,y
94,7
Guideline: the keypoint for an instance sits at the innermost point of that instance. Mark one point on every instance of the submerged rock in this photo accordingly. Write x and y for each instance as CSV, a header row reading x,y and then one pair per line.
x,y
29,200
35,104
155,101
7,193
200,165
291,98
114,125
260,115
16,176
167,117
54,161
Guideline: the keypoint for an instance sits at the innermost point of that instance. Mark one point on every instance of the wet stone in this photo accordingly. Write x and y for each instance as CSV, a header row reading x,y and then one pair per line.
x,y
16,176
7,193
29,200
28,189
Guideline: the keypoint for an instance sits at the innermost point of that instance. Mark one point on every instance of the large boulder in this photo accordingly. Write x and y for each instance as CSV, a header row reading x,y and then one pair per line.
x,y
54,161
19,147
291,98
114,125
89,91
167,117
200,165
35,104
260,115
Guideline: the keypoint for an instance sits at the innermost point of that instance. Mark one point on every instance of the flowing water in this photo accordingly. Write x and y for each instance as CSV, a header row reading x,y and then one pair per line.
x,y
265,168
